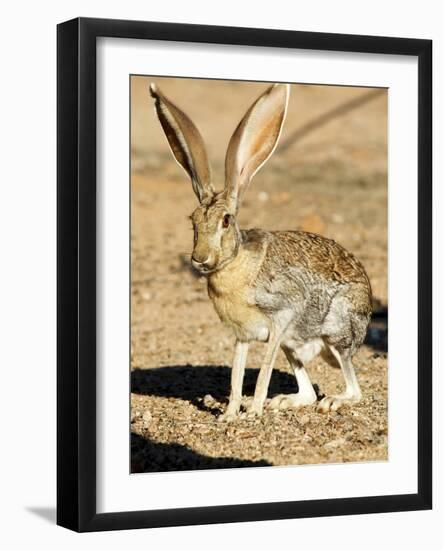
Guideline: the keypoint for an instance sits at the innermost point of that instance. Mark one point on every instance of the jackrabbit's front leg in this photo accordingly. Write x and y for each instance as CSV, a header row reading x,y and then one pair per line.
x,y
264,376
237,374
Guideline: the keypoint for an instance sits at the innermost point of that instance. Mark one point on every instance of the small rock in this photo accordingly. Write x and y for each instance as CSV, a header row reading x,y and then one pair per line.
x,y
208,400
147,417
263,196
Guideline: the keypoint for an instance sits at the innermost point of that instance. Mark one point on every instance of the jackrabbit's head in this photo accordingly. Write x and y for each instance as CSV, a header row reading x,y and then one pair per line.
x,y
216,233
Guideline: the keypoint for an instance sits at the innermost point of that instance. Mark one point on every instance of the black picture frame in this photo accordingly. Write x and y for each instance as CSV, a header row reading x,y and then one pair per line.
x,y
76,273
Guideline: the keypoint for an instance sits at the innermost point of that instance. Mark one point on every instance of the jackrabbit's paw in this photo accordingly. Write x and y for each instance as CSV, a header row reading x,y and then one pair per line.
x,y
291,401
334,403
254,411
228,416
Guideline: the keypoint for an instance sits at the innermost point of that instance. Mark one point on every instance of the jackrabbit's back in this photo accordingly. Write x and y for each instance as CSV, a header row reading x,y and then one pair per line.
x,y
316,254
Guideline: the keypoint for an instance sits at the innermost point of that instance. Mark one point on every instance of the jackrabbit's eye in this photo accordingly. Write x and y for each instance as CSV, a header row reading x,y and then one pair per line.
x,y
226,220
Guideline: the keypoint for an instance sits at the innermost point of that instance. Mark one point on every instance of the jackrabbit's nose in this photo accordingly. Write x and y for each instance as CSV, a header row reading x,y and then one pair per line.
x,y
200,261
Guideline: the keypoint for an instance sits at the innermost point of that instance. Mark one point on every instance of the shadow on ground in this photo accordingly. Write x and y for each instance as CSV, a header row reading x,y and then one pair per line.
x,y
192,383
149,456
377,334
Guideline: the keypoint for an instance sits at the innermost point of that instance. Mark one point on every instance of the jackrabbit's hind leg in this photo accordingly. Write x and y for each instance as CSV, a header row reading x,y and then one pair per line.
x,y
297,357
352,393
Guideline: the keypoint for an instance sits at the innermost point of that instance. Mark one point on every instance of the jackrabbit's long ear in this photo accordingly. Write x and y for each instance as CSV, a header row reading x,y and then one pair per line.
x,y
254,140
186,143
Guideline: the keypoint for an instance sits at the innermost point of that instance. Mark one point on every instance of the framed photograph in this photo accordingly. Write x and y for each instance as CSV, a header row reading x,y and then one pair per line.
x,y
238,211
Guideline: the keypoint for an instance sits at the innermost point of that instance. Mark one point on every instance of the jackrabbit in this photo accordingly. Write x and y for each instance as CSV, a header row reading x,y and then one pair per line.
x,y
292,289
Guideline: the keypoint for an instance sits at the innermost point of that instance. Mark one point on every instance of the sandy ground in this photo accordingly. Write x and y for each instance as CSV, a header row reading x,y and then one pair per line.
x,y
327,176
